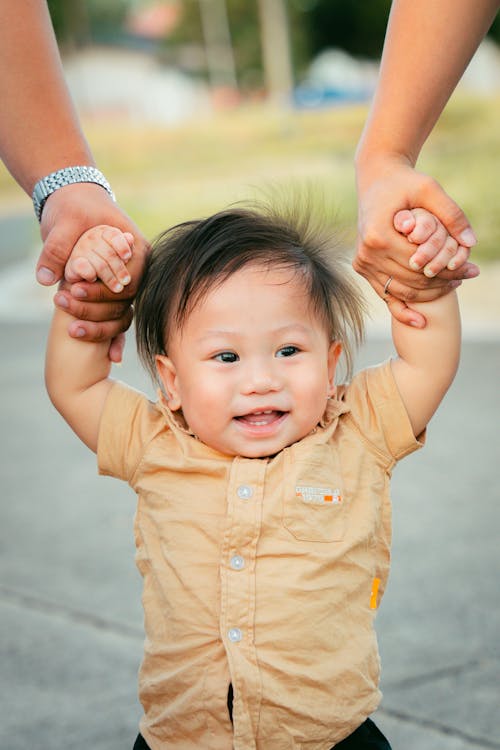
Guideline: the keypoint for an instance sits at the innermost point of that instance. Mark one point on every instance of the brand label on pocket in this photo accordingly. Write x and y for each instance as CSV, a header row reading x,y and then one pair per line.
x,y
318,495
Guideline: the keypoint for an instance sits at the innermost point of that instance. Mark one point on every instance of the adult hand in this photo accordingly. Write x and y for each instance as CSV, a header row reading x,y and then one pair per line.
x,y
100,314
385,186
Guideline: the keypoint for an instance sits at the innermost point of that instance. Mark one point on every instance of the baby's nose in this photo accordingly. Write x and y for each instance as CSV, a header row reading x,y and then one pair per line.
x,y
262,379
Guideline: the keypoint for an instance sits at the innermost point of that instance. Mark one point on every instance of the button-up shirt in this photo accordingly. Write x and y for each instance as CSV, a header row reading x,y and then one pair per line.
x,y
260,573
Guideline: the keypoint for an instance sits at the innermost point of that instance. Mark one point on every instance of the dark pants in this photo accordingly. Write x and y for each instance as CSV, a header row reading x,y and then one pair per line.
x,y
366,737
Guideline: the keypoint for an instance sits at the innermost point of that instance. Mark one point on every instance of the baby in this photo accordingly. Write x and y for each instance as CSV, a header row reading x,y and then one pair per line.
x,y
263,525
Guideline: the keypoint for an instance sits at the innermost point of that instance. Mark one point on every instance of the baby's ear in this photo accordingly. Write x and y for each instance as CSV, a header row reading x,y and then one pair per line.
x,y
168,376
334,352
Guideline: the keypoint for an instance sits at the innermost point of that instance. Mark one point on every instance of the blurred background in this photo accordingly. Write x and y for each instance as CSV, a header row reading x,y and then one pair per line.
x,y
190,105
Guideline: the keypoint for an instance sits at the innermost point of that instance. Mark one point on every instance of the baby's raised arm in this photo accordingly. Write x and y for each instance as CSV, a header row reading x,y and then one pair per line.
x,y
427,358
77,372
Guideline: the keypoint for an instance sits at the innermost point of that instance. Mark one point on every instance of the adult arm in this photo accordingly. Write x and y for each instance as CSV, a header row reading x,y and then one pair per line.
x,y
428,46
39,134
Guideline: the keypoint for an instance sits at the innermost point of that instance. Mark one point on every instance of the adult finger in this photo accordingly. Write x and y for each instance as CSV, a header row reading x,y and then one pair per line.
x,y
435,199
116,348
409,294
465,271
99,293
403,313
55,252
460,257
93,312
86,330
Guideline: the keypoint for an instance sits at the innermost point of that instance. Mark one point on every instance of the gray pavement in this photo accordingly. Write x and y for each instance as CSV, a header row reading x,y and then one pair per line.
x,y
70,615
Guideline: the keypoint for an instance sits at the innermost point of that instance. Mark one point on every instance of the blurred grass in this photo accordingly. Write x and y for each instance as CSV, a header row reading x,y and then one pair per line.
x,y
164,175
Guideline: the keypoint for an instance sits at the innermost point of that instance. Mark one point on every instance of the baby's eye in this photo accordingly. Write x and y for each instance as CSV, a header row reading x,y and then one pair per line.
x,y
287,351
226,357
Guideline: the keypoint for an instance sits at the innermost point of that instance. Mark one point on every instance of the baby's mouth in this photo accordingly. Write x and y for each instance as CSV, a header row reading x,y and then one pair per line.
x,y
261,418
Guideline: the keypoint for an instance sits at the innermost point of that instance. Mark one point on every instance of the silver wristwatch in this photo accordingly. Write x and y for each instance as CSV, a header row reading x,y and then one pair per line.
x,y
67,176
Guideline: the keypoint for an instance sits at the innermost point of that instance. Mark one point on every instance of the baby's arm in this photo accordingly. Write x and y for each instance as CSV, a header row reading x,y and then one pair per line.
x,y
77,372
427,358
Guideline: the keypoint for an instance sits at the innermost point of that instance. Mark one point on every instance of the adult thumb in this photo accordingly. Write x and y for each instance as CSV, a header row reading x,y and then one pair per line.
x,y
438,202
56,249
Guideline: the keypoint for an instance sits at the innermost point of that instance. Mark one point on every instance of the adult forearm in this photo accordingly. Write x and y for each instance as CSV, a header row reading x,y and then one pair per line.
x,y
39,129
428,46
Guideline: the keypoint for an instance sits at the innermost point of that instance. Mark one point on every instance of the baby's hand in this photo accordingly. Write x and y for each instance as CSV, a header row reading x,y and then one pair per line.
x,y
101,253
437,249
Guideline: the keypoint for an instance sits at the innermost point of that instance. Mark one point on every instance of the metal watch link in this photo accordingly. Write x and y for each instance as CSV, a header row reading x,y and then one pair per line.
x,y
66,176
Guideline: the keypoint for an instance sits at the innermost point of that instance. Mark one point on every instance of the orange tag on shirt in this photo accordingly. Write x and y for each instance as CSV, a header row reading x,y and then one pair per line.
x,y
374,594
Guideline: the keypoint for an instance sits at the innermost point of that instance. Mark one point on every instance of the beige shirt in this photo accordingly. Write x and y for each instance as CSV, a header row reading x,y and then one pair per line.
x,y
263,573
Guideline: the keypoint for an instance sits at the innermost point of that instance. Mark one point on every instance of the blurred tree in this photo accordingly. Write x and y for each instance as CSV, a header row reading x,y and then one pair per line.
x,y
276,52
495,30
356,26
243,17
217,42
79,22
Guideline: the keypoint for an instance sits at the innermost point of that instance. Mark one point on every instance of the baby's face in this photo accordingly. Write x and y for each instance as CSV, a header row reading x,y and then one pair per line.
x,y
252,367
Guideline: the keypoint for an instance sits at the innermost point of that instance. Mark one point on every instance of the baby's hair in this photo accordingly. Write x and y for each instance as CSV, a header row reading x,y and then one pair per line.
x,y
192,258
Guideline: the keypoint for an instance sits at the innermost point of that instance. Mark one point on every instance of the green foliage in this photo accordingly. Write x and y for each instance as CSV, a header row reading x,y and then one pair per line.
x,y
494,32
357,26
243,17
81,21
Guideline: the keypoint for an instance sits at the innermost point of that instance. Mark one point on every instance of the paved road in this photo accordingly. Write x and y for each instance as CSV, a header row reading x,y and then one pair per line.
x,y
70,617
18,235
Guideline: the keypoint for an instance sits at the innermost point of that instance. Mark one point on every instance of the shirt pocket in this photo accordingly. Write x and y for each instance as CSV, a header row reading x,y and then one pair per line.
x,y
314,503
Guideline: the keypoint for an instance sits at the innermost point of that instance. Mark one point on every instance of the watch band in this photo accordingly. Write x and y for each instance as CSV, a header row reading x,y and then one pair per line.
x,y
66,176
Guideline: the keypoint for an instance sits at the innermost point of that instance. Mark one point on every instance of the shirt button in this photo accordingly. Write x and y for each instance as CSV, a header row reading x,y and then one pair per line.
x,y
235,635
244,492
237,562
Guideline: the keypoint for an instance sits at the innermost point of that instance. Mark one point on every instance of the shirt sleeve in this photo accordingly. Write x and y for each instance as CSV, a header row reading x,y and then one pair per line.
x,y
377,409
128,423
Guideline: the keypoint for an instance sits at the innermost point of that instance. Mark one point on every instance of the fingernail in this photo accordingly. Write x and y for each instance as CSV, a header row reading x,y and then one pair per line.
x,y
468,238
414,266
79,293
126,279
416,324
127,255
429,273
61,301
451,265
407,224
471,273
45,275
79,333
118,287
